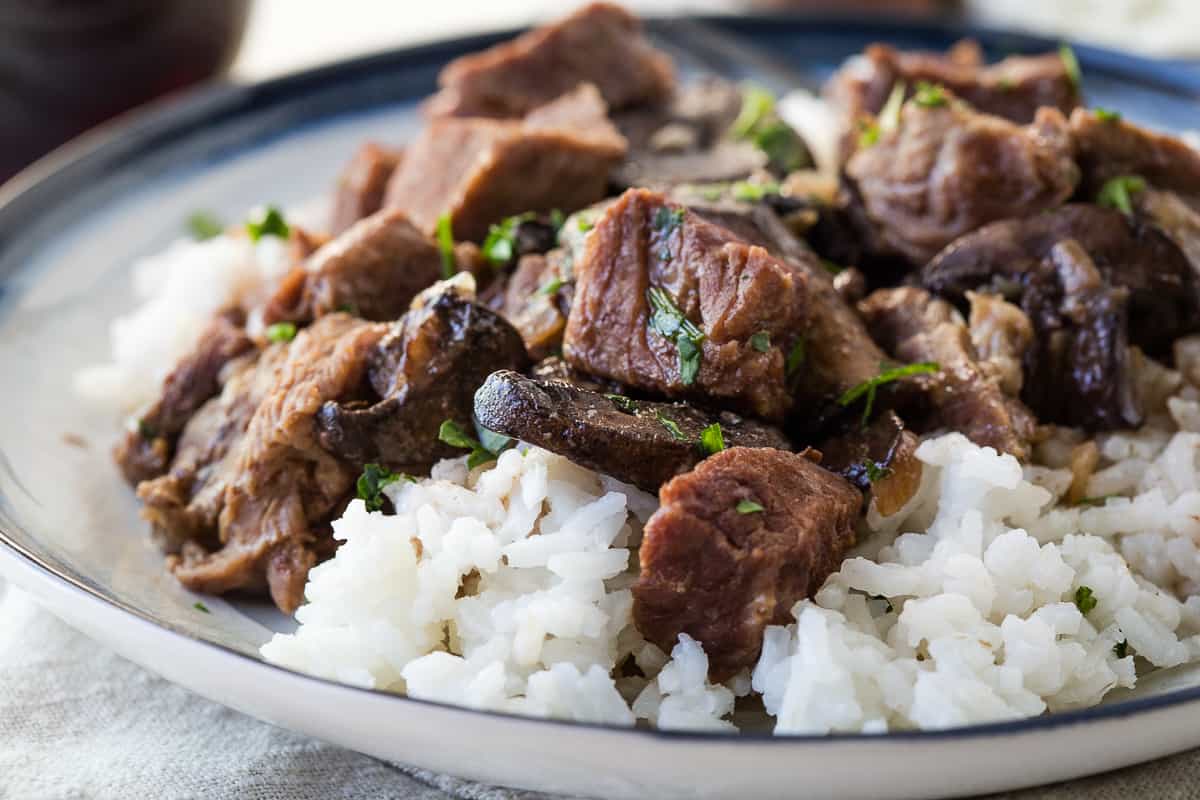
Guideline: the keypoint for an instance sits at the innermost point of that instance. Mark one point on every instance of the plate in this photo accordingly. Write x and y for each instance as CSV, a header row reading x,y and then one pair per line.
x,y
71,226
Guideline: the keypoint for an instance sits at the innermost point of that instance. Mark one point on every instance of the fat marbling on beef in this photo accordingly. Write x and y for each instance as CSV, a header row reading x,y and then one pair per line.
x,y
735,543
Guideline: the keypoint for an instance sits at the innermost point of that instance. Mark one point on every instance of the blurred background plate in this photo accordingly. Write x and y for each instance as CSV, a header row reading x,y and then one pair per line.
x,y
70,228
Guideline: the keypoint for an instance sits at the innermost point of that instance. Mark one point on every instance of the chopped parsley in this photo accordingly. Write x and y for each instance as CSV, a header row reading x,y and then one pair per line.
x,y
869,388
875,473
268,223
757,105
749,507
482,452
371,484
672,427
551,286
1106,115
1006,84
584,224
753,192
203,226
557,218
623,403
1117,192
761,341
1085,599
831,267
445,240
1121,648
201,607
1071,65
795,358
930,95
868,134
669,322
145,429
281,332
500,245
712,439
1095,501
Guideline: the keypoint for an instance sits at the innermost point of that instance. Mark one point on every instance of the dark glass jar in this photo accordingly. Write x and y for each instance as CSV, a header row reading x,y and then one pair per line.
x,y
66,65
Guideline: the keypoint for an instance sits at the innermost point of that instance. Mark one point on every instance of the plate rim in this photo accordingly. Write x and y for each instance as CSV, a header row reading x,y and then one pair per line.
x,y
114,145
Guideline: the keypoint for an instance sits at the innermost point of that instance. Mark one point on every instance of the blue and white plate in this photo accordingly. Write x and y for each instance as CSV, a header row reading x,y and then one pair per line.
x,y
69,533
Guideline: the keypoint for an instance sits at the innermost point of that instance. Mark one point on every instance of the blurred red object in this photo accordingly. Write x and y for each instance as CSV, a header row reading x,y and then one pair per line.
x,y
66,65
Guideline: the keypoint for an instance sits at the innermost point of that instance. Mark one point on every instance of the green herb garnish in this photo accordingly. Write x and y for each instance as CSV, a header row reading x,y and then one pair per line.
x,y
761,341
832,268
783,147
1116,193
203,226
500,245
1085,599
749,507
868,134
493,442
930,95
869,388
753,192
1006,84
875,473
889,115
445,240
757,104
1121,648
281,332
452,434
584,224
551,286
1071,65
1095,501
557,218
201,607
145,429
672,427
1106,115
669,322
371,484
623,403
269,223
712,439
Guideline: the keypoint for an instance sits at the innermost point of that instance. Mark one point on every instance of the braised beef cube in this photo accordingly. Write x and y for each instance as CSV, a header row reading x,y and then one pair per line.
x,y
735,544
1110,147
1008,255
669,303
600,43
1177,218
361,185
425,371
1013,88
480,171
915,327
285,486
373,270
145,451
635,441
947,170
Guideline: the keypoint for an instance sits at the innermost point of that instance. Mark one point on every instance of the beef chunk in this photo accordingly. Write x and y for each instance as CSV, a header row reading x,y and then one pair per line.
x,y
426,370
531,303
361,185
1175,217
285,485
914,326
1110,147
705,282
720,574
635,441
880,458
145,452
1010,255
685,141
372,270
480,171
948,170
1014,88
600,43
